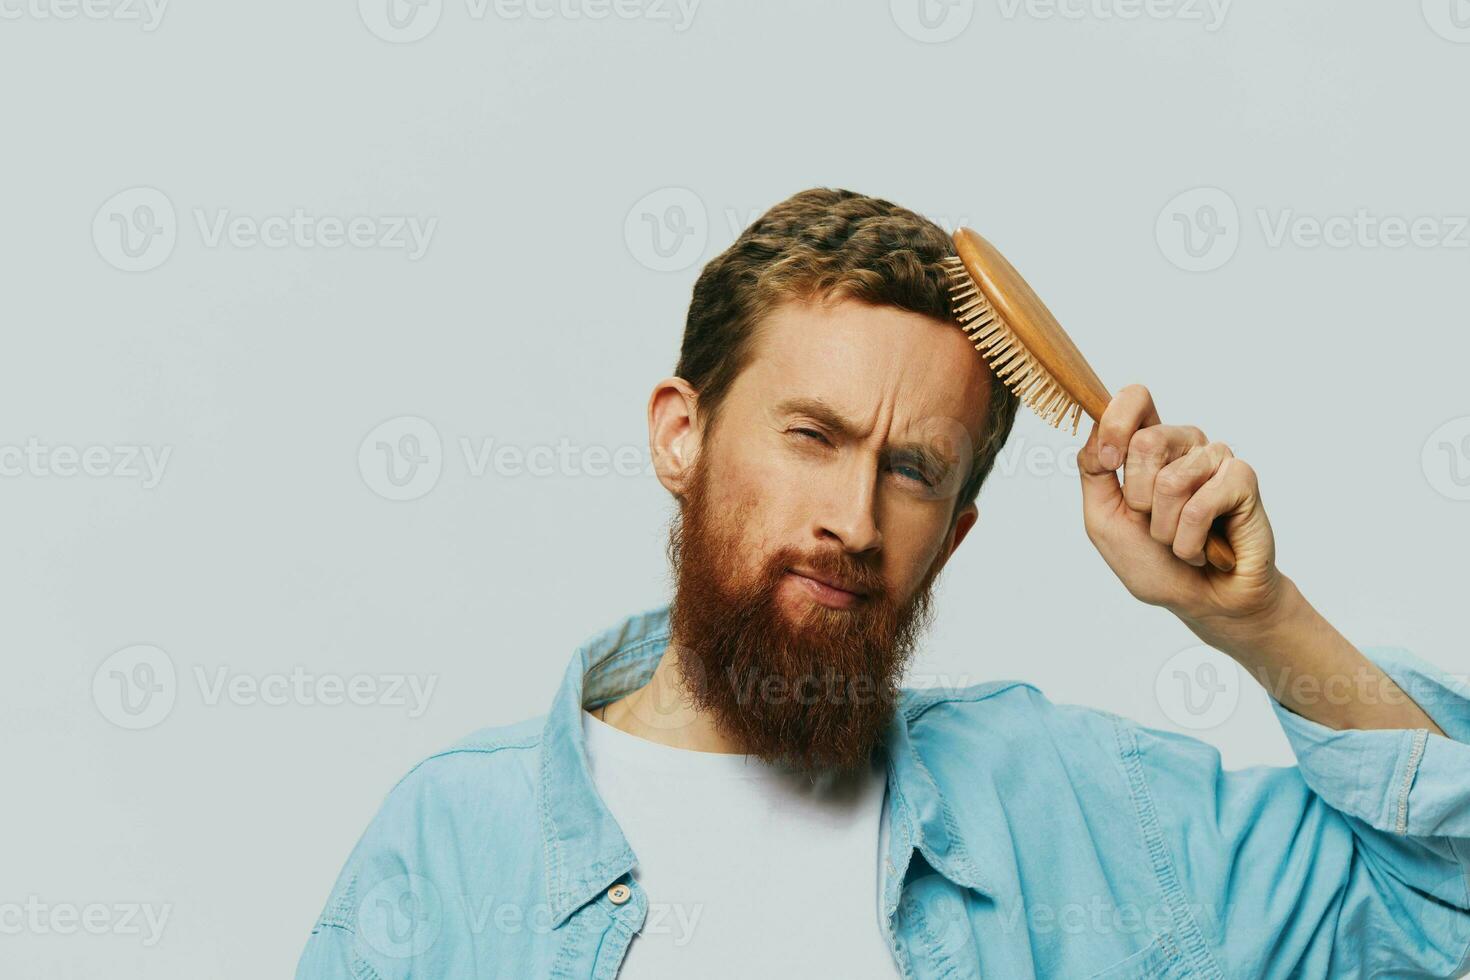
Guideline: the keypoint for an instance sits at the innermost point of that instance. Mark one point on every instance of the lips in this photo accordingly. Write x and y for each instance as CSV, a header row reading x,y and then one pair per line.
x,y
831,582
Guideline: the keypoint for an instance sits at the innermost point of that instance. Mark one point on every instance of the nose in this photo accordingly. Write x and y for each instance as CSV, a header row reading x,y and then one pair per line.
x,y
846,508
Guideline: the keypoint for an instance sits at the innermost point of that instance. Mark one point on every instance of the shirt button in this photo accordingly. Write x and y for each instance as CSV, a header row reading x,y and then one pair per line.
x,y
619,893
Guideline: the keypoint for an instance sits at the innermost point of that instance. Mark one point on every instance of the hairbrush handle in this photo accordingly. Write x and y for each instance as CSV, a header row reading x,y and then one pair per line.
x,y
1032,354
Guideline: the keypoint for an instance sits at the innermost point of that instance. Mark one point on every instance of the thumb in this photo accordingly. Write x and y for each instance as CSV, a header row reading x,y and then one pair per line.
x,y
1100,487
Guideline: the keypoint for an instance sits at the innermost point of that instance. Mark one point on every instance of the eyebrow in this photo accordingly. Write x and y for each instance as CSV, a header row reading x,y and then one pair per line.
x,y
935,464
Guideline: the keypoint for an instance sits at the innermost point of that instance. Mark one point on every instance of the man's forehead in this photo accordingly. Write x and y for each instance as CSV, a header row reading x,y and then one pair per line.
x,y
860,361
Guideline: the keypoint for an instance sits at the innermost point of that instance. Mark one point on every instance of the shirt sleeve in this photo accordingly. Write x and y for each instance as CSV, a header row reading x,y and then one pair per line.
x,y
332,951
1354,863
1405,782
328,956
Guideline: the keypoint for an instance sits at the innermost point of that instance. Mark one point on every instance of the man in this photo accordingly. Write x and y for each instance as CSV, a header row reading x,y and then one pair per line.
x,y
735,785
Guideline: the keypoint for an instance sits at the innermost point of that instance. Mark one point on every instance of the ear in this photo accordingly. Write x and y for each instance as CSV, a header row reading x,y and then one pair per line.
x,y
963,521
674,433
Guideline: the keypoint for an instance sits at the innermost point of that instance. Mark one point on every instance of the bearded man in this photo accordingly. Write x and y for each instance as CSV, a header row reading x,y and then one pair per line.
x,y
735,784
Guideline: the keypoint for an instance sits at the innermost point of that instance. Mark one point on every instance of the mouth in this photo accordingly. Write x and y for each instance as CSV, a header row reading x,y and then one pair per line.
x,y
832,593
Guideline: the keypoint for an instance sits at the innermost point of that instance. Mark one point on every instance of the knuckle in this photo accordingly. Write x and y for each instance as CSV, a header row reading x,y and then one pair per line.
x,y
1147,441
1171,483
1193,515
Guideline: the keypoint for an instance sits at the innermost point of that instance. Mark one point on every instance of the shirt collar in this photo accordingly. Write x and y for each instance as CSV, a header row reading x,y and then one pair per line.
x,y
585,849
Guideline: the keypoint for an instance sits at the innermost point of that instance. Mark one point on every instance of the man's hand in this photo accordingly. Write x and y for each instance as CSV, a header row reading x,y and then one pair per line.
x,y
1151,529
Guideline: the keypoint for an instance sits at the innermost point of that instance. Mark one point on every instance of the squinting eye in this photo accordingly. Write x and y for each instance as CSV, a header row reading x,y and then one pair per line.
x,y
813,433
911,473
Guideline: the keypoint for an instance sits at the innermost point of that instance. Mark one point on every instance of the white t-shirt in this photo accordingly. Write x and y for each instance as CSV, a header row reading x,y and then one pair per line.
x,y
751,870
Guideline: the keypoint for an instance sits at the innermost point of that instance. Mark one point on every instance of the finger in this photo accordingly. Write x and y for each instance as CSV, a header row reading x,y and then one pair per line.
x,y
1177,482
1149,452
1101,493
1232,486
1131,409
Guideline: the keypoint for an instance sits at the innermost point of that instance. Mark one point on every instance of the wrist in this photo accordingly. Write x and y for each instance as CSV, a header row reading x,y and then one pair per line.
x,y
1272,628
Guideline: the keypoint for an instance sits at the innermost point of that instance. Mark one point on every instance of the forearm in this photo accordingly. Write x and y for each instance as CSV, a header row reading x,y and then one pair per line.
x,y
1310,668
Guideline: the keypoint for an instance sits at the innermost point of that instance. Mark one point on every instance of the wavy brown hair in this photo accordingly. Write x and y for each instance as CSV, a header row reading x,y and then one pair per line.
x,y
818,244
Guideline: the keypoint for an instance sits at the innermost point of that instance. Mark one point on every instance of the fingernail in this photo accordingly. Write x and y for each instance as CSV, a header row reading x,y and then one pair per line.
x,y
1108,455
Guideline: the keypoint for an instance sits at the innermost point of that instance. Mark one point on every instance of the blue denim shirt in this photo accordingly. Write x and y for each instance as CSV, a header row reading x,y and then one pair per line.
x,y
1026,838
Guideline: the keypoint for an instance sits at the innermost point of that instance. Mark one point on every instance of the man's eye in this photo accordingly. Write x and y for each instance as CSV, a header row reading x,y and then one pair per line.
x,y
913,473
811,434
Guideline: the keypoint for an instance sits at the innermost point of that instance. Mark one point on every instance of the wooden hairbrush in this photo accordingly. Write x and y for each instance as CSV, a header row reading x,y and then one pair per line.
x,y
1027,348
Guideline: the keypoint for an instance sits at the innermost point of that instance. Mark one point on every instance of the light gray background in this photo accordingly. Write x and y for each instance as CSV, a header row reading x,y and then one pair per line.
x,y
541,311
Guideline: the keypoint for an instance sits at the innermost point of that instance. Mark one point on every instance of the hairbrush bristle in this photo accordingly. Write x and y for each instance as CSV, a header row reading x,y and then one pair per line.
x,y
1012,363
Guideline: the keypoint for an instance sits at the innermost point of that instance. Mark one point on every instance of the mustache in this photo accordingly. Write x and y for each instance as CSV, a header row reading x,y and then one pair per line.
x,y
830,566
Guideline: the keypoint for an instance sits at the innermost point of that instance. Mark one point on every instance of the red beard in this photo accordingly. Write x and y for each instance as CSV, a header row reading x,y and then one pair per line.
x,y
814,692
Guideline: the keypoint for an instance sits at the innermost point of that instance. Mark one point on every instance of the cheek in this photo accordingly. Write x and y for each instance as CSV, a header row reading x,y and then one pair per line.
x,y
913,537
740,512
765,492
